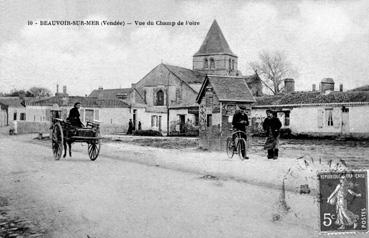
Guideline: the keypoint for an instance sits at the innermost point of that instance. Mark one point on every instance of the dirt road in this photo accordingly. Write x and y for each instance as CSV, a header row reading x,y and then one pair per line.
x,y
115,197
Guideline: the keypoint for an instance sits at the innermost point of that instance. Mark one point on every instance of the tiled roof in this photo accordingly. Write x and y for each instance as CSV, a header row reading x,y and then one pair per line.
x,y
313,98
228,88
214,43
85,102
362,88
110,93
14,101
187,75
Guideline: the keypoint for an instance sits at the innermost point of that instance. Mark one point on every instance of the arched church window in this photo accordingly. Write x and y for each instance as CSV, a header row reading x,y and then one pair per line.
x,y
160,98
229,64
206,63
212,63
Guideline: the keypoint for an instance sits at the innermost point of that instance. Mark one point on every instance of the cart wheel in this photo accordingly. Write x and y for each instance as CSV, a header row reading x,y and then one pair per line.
x,y
94,149
230,147
57,141
241,149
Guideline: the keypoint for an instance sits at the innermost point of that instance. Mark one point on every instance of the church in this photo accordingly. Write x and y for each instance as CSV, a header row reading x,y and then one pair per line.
x,y
165,98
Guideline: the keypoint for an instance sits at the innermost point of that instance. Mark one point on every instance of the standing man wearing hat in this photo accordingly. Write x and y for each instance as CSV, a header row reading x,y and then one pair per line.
x,y
272,125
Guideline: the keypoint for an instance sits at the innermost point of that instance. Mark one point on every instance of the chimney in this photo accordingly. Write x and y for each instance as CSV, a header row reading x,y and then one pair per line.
x,y
327,84
341,87
101,88
314,87
64,89
289,85
57,88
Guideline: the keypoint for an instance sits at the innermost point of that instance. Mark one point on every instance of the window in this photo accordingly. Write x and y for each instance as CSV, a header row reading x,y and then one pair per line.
x,y
23,116
287,118
212,63
229,64
209,120
97,114
196,119
178,95
15,116
206,63
153,121
329,116
209,100
233,64
89,115
160,98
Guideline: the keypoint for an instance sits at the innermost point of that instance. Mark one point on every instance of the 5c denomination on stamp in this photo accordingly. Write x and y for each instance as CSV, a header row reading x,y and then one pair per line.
x,y
343,203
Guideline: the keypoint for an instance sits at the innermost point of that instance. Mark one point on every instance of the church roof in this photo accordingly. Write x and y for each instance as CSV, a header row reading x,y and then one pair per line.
x,y
215,42
227,89
187,75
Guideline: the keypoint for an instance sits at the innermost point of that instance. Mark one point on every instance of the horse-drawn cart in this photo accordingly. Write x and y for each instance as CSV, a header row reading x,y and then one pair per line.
x,y
63,134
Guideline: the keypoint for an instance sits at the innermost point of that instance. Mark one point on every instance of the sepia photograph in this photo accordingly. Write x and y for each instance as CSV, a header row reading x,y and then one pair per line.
x,y
184,118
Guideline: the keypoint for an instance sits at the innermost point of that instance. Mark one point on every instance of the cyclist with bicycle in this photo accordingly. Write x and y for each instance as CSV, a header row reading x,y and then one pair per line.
x,y
240,122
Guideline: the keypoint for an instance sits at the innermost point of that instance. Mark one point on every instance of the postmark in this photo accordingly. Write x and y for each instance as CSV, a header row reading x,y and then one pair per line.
x,y
343,203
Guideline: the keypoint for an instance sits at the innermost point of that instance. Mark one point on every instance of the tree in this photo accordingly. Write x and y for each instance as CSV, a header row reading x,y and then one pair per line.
x,y
272,69
39,92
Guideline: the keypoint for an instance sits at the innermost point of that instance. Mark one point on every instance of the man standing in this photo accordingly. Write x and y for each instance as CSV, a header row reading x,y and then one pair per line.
x,y
272,125
130,127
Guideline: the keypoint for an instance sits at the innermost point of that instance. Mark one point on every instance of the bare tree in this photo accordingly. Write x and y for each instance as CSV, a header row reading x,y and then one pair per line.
x,y
40,92
272,69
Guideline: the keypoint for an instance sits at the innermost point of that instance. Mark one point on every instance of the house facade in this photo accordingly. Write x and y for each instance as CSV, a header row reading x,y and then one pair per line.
x,y
218,99
317,113
113,114
12,109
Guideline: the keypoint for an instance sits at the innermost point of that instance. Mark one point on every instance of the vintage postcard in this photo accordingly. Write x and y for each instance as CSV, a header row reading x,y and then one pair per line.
x,y
184,118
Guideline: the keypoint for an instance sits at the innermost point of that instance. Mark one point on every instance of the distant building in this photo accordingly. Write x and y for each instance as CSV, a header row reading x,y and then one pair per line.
x,y
164,99
12,109
317,113
113,114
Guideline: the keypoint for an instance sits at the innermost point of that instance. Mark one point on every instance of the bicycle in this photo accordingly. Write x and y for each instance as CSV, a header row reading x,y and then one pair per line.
x,y
237,146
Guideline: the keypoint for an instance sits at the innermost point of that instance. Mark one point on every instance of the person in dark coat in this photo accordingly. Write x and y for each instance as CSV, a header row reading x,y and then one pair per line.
x,y
130,127
73,117
240,120
271,126
139,126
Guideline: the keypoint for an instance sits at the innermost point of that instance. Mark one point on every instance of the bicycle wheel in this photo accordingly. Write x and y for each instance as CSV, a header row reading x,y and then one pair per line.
x,y
241,149
230,147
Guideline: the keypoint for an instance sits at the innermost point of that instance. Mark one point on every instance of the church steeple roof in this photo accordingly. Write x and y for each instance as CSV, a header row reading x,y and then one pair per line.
x,y
214,43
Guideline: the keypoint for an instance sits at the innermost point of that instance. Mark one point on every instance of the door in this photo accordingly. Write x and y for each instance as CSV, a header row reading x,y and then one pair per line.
x,y
345,121
182,123
134,118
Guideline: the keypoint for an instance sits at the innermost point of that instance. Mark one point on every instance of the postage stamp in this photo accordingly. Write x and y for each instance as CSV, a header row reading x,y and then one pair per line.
x,y
343,203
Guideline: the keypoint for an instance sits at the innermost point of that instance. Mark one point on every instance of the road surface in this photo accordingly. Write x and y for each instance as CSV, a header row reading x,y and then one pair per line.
x,y
115,197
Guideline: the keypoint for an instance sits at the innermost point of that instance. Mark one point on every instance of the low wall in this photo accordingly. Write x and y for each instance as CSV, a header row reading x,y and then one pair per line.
x,y
108,129
24,127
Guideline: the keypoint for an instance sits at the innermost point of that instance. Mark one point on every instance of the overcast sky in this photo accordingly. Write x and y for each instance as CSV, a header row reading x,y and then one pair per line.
x,y
320,38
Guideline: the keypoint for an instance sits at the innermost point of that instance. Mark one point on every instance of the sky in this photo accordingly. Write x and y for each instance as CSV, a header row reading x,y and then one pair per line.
x,y
320,38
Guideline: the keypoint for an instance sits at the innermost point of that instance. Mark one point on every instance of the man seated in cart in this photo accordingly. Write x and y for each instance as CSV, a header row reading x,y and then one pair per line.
x,y
73,117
